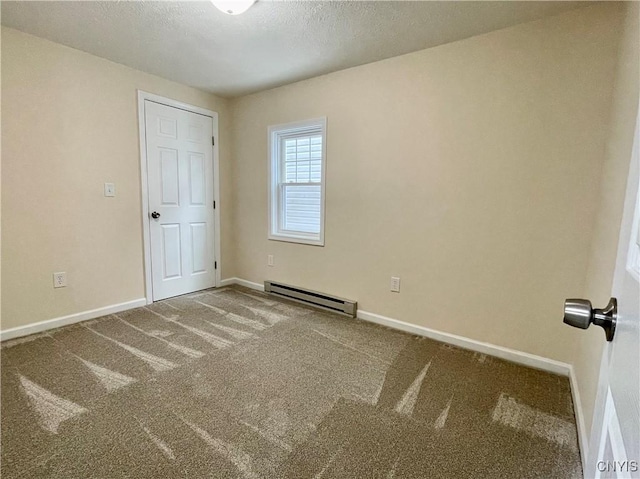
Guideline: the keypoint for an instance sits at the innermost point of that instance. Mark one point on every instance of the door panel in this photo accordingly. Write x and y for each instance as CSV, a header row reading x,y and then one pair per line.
x,y
615,435
180,191
167,127
199,247
172,267
195,133
169,177
197,184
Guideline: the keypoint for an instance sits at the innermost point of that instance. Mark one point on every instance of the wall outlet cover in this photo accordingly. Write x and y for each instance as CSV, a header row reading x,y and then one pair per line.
x,y
59,280
109,189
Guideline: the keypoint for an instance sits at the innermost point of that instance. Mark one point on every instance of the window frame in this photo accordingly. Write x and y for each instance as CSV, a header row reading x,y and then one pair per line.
x,y
277,134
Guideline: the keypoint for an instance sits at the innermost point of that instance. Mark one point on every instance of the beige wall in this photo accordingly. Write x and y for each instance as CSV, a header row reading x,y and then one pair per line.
x,y
611,201
69,124
467,169
488,174
0,179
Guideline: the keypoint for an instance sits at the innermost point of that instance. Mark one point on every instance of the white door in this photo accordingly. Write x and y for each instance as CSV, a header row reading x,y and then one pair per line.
x,y
181,209
615,437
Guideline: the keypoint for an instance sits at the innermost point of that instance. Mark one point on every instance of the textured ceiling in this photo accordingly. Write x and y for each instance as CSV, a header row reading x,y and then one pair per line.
x,y
274,43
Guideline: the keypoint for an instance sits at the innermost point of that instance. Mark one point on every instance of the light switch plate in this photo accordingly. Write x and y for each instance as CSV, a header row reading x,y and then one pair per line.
x,y
109,189
269,260
395,284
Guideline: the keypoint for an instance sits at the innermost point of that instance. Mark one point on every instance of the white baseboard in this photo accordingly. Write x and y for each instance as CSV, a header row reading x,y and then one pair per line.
x,y
512,355
242,282
519,357
48,324
70,319
583,436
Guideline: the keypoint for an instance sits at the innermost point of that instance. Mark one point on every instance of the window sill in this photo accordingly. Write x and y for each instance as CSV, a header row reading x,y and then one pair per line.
x,y
297,239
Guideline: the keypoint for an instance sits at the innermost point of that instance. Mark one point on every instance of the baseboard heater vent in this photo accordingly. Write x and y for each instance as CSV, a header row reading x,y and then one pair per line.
x,y
313,298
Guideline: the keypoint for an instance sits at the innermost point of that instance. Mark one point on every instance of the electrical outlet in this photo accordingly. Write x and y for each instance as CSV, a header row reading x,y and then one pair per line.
x,y
109,189
395,284
59,280
270,260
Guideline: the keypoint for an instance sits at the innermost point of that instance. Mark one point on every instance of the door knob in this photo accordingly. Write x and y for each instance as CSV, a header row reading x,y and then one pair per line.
x,y
579,314
155,215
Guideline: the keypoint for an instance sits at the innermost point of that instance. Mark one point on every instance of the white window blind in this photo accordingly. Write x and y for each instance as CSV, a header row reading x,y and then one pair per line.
x,y
297,182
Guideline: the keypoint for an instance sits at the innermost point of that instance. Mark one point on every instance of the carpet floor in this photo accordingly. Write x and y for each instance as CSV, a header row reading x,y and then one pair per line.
x,y
232,383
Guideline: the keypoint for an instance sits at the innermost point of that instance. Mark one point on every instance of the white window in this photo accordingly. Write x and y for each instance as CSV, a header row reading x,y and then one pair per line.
x,y
296,196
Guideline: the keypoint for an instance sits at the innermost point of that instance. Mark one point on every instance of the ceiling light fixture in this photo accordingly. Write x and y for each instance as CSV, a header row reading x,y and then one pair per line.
x,y
233,7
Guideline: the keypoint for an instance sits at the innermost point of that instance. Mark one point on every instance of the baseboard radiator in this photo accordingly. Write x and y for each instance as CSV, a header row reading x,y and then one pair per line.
x,y
312,298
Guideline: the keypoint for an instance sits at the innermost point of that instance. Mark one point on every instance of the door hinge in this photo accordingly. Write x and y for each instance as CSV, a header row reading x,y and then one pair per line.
x,y
213,140
214,205
215,265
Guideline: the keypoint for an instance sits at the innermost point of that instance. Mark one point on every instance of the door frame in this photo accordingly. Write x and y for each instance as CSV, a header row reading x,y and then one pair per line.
x,y
144,183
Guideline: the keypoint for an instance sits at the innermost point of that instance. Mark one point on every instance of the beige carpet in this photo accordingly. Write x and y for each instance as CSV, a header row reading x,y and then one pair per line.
x,y
234,383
